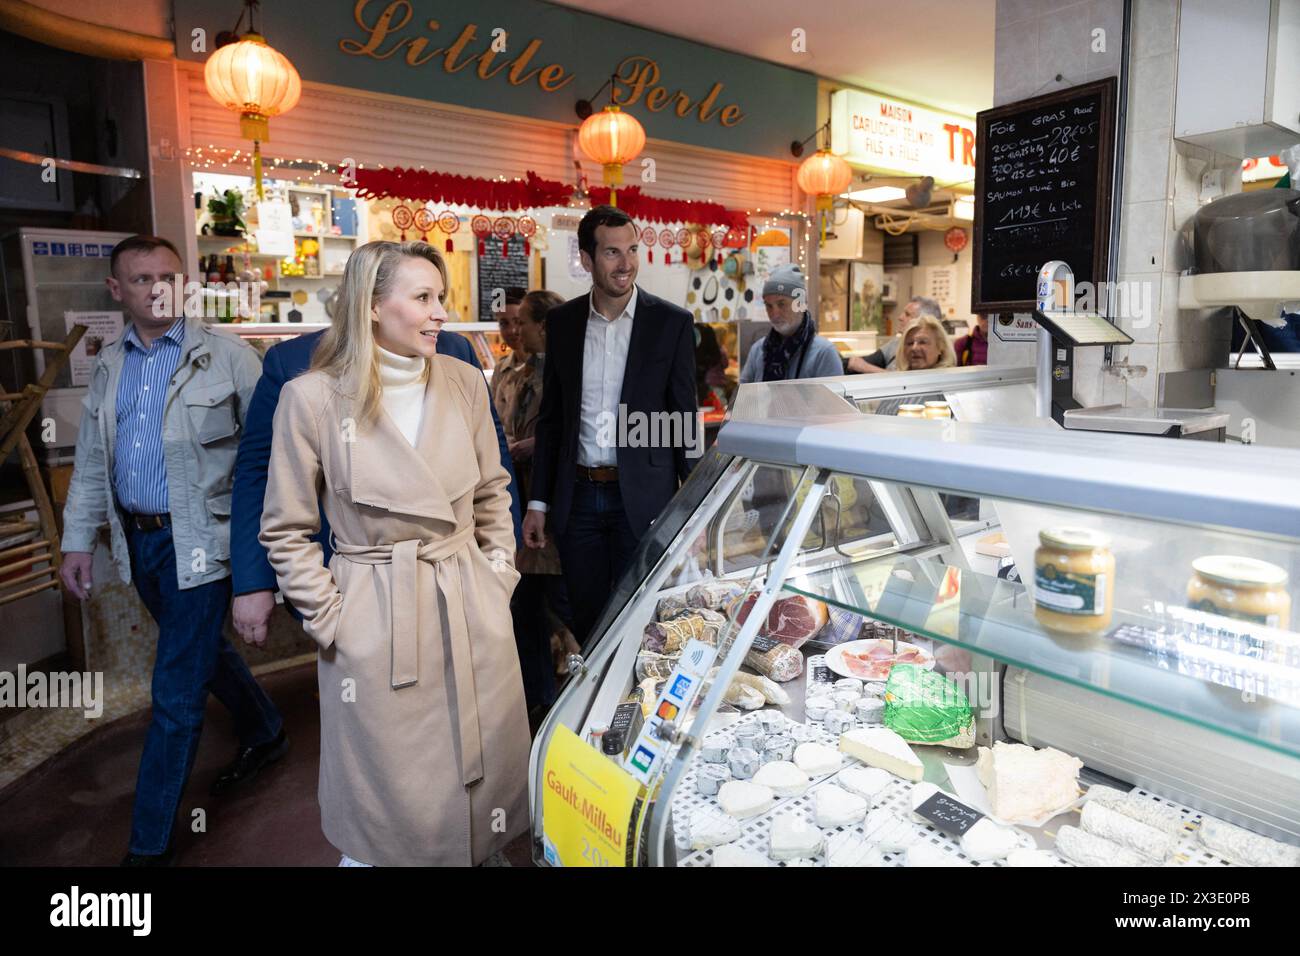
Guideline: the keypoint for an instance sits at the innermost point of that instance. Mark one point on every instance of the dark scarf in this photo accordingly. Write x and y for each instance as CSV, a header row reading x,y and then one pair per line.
x,y
778,351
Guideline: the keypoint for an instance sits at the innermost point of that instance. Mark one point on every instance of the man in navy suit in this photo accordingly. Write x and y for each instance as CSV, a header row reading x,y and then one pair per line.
x,y
254,579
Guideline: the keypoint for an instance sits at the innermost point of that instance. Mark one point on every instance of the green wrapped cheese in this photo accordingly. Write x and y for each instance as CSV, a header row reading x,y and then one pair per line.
x,y
923,707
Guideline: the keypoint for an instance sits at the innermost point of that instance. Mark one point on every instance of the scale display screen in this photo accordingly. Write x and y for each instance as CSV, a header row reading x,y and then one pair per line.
x,y
1082,328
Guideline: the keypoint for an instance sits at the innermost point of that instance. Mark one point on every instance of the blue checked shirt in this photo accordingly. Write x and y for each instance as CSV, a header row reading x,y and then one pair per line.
x,y
139,473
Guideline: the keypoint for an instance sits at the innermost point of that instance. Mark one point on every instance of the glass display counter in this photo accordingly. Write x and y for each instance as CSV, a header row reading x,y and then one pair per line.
x,y
814,662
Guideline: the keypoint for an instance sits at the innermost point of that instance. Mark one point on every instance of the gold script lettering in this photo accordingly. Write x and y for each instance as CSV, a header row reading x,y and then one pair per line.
x,y
517,74
705,111
449,63
731,115
485,72
641,72
553,78
379,32
656,99
413,57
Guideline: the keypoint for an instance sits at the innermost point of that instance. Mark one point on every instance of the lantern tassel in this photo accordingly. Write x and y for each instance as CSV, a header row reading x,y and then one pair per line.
x,y
505,248
450,248
257,168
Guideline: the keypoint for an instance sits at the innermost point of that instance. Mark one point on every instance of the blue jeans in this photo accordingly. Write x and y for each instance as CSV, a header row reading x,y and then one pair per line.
x,y
194,657
595,549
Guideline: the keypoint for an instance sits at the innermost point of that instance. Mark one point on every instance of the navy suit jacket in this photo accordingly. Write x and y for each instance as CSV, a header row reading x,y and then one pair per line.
x,y
250,568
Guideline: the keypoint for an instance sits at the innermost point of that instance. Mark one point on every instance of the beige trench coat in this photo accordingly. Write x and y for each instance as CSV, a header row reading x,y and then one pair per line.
x,y
424,733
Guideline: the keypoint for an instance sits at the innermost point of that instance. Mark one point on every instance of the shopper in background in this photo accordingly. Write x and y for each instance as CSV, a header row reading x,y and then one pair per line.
x,y
973,348
424,735
925,345
160,426
793,349
505,373
540,603
617,350
886,357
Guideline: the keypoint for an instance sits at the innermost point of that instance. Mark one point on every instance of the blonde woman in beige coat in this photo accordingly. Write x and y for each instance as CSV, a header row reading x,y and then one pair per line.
x,y
424,735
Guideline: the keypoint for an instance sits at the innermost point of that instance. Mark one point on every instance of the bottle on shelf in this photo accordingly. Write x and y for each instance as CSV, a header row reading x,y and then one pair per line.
x,y
228,273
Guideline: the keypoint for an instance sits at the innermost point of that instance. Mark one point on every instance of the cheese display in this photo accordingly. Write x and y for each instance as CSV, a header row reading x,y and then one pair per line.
x,y
866,782
818,707
852,849
881,747
836,807
791,620
1102,821
1241,846
742,798
1025,784
817,760
838,721
887,830
1163,818
777,747
737,856
783,777
773,693
710,828
870,711
924,707
793,837
927,854
743,762
715,748
744,697
987,841
1027,857
710,778
772,721
1087,849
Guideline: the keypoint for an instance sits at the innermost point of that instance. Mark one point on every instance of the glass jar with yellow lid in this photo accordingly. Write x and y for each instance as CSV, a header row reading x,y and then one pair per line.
x,y
1243,588
1074,580
911,411
937,410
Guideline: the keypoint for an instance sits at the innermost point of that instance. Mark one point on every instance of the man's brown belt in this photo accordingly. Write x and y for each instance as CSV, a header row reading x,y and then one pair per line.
x,y
604,474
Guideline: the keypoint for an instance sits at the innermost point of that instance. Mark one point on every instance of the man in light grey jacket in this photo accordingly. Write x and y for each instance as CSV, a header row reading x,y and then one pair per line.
x,y
793,349
156,446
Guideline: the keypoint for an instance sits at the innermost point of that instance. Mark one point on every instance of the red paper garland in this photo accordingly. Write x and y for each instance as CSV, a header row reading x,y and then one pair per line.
x,y
532,192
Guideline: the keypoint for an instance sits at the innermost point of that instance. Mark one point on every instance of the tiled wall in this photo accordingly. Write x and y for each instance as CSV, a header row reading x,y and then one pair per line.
x,y
1036,41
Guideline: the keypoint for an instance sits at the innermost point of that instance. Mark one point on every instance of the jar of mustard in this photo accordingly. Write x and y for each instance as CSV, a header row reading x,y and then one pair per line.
x,y
911,411
1243,588
937,410
1074,580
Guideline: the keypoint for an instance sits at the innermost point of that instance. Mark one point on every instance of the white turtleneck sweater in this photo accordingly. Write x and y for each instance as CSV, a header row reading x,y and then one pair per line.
x,y
403,397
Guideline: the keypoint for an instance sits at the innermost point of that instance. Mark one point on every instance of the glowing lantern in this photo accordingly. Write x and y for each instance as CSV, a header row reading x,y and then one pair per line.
x,y
257,82
824,175
611,138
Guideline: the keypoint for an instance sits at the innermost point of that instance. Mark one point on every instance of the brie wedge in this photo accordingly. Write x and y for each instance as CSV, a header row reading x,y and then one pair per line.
x,y
881,747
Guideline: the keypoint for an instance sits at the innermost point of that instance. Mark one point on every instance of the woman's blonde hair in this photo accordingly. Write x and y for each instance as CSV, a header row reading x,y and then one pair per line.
x,y
348,351
947,357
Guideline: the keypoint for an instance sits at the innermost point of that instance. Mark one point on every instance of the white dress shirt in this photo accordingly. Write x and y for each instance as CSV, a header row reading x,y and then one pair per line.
x,y
604,359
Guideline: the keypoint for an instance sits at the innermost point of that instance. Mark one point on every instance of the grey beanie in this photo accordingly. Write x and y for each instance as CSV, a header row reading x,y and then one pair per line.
x,y
784,280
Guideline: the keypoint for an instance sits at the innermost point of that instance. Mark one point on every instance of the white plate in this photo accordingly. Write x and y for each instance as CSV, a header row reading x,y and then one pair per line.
x,y
835,656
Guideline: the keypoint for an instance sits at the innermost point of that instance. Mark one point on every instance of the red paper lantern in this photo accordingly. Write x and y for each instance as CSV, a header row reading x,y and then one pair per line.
x,y
648,240
424,221
503,228
955,239
481,226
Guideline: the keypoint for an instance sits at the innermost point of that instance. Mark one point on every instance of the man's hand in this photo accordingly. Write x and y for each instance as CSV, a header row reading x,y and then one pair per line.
x,y
252,614
75,573
535,529
522,450
861,365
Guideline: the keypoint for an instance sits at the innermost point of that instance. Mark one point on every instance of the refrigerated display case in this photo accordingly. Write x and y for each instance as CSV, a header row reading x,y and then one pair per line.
x,y
933,691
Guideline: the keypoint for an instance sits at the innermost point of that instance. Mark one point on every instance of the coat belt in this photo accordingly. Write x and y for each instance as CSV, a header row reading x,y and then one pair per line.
x,y
405,556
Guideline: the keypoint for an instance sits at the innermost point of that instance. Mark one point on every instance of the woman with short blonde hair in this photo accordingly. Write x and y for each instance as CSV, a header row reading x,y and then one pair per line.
x,y
925,345
424,736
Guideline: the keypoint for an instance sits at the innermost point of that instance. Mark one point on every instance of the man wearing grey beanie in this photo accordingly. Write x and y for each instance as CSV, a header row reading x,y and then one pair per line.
x,y
793,349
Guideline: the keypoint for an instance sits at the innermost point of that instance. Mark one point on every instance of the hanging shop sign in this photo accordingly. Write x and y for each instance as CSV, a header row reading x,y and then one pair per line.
x,y
890,136
529,59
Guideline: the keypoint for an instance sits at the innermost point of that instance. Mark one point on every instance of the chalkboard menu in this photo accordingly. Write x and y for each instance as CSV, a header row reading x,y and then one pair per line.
x,y
1042,192
496,271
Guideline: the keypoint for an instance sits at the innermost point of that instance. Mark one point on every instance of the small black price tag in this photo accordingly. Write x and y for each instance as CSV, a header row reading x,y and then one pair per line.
x,y
824,675
762,645
948,815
